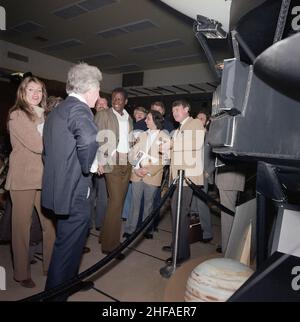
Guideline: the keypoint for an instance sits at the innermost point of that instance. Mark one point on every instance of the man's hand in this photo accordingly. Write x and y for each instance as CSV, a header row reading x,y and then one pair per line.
x,y
165,148
141,172
100,169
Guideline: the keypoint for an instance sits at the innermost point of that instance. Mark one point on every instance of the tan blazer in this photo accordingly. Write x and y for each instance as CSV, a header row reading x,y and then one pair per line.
x,y
155,170
25,161
187,151
109,140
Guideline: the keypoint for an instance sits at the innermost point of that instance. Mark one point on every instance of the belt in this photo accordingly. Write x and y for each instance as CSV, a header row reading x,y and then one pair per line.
x,y
121,158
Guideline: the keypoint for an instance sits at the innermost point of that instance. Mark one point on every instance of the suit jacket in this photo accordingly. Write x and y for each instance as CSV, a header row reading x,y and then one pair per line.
x,y
140,125
187,151
25,161
168,125
155,170
109,139
69,150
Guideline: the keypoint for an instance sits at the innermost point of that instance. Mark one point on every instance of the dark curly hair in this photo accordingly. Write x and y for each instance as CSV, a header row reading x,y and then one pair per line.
x,y
158,119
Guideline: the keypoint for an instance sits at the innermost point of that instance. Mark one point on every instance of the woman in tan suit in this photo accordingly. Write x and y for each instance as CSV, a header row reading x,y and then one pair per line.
x,y
24,178
147,169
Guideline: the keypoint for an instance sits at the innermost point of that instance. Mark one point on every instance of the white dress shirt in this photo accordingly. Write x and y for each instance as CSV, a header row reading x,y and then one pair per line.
x,y
152,134
78,96
123,146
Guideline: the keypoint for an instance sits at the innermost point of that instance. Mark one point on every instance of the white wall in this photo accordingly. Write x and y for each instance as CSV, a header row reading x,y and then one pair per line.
x,y
52,68
213,9
111,81
39,64
46,66
228,12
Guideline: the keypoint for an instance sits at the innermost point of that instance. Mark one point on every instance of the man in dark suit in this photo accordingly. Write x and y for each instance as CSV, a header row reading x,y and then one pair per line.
x,y
69,150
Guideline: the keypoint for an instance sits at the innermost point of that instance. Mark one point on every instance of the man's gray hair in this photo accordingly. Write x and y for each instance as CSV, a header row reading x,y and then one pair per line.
x,y
83,77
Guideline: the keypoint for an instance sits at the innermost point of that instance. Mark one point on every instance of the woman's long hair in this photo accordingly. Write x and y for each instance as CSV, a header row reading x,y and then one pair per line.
x,y
21,102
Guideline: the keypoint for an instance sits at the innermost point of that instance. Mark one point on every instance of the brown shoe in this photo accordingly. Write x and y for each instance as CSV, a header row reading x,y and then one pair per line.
x,y
29,283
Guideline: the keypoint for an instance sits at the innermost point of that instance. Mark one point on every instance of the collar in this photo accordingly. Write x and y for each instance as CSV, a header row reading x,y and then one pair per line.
x,y
184,121
125,113
39,111
80,97
152,132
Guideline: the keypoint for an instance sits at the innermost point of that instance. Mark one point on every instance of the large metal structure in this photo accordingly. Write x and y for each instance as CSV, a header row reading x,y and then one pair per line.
x,y
256,114
256,118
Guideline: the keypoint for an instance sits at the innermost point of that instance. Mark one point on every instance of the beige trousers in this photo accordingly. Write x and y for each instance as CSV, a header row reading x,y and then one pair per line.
x,y
23,202
117,185
228,199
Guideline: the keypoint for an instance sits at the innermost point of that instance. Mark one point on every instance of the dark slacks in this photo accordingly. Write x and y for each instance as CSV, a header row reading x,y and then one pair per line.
x,y
71,237
98,201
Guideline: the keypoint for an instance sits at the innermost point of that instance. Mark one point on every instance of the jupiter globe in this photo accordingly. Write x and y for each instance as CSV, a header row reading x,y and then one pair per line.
x,y
215,280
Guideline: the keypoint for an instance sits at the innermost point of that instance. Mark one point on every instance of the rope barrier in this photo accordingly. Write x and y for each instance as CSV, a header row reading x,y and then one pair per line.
x,y
205,197
76,282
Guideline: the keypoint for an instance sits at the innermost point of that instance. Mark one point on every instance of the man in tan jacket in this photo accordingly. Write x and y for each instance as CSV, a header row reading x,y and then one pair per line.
x,y
187,155
115,128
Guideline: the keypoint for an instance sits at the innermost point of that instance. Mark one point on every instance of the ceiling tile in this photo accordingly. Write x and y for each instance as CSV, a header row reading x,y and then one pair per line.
x,y
110,33
69,12
139,25
91,5
170,43
97,56
123,68
70,43
178,58
28,26
124,29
